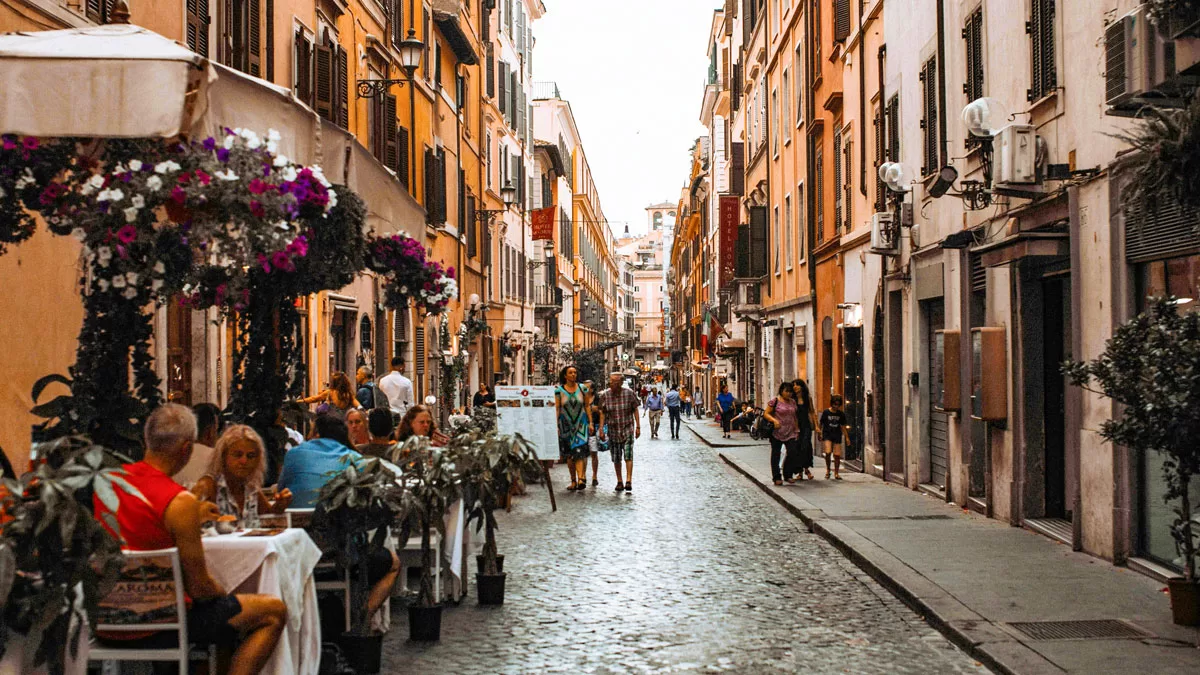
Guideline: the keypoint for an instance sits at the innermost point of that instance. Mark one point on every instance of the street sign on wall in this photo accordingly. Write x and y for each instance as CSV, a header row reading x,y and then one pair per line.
x,y
730,210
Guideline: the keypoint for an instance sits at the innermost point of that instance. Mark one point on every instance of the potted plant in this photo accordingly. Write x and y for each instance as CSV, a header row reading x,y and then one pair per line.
x,y
432,484
490,465
57,561
352,516
1151,366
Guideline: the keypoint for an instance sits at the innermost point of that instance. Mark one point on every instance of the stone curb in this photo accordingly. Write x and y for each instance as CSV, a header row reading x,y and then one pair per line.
x,y
723,443
983,640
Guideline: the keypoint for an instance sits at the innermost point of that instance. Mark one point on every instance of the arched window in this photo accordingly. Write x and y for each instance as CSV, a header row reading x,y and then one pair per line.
x,y
366,337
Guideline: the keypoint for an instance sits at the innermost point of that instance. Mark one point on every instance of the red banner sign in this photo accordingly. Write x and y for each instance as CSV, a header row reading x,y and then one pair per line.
x,y
543,224
730,212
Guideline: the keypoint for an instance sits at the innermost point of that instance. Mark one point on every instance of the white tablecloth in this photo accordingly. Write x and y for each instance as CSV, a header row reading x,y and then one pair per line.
x,y
281,566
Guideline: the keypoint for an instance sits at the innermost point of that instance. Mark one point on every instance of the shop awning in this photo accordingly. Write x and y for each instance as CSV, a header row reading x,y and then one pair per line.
x,y
123,81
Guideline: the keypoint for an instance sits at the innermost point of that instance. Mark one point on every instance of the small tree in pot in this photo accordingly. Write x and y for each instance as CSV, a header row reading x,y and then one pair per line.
x,y
490,465
352,516
432,484
1151,366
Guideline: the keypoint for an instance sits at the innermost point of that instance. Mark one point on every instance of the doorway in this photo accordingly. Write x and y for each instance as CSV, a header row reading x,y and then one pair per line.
x,y
179,352
1055,324
852,390
821,397
937,436
894,426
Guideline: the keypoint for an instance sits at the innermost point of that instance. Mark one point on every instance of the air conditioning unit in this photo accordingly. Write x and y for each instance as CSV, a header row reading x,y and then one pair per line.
x,y
1138,60
1015,159
885,235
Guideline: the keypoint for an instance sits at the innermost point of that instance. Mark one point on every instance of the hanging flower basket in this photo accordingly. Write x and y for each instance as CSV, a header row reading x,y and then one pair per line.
x,y
408,275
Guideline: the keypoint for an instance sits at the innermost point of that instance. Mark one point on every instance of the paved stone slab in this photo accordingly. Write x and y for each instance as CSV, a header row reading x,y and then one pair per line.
x,y
695,571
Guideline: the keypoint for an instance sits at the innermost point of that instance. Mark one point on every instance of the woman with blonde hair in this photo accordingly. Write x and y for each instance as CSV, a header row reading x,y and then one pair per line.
x,y
235,478
338,396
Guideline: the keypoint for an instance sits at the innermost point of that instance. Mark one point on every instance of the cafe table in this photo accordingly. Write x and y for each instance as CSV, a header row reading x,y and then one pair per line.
x,y
280,565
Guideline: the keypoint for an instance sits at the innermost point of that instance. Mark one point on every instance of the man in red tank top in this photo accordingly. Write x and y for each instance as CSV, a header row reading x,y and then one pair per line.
x,y
168,516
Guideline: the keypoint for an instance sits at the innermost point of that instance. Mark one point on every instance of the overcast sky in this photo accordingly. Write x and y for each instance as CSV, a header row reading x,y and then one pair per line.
x,y
634,72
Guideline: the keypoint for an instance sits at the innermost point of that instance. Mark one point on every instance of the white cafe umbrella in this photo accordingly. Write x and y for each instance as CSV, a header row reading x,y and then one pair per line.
x,y
119,81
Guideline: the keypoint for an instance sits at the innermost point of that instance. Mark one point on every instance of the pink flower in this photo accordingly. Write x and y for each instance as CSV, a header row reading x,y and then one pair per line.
x,y
30,143
178,195
10,142
122,252
185,178
221,290
266,264
281,261
257,210
450,272
257,187
204,178
127,234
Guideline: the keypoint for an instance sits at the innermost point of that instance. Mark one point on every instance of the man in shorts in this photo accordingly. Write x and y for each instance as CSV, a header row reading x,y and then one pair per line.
x,y
620,425
834,428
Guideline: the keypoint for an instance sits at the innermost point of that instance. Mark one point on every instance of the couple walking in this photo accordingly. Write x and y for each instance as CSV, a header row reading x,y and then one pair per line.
x,y
610,415
794,419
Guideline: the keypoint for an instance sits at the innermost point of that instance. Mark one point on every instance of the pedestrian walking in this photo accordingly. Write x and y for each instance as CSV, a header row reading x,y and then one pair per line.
x,y
724,403
336,399
781,412
397,388
654,410
620,425
832,430
572,400
698,404
685,403
595,447
806,416
674,404
484,398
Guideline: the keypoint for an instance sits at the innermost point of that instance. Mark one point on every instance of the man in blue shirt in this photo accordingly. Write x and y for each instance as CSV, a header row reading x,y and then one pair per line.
x,y
308,466
673,405
654,408
725,405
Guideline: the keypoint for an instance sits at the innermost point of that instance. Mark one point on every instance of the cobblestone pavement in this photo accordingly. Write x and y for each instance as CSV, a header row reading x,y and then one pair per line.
x,y
694,571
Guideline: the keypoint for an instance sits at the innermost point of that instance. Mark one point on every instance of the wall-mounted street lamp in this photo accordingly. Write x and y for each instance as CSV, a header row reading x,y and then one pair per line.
x,y
411,50
509,194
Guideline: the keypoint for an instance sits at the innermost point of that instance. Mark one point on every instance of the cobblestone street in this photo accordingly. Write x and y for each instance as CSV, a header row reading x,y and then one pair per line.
x,y
694,571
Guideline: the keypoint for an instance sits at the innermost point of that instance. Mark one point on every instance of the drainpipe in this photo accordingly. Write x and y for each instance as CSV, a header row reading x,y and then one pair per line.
x,y
941,55
1074,395
862,102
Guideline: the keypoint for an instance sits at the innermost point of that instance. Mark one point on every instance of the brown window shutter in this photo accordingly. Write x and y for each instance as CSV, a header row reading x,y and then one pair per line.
x,y
442,186
402,151
430,187
841,20
491,70
391,148
848,187
503,88
342,94
270,49
737,168
94,11
324,81
397,23
472,228
879,159
197,24
818,192
419,349
837,180
304,58
254,38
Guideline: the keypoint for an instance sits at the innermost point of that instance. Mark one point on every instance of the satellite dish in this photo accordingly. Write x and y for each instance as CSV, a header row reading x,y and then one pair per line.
x,y
984,117
895,176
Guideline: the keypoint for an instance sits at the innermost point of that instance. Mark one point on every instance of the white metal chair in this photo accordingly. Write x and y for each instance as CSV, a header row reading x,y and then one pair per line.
x,y
410,556
302,518
146,567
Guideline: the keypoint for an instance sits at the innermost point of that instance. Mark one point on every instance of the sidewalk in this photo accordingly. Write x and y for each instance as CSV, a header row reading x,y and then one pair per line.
x,y
710,432
978,580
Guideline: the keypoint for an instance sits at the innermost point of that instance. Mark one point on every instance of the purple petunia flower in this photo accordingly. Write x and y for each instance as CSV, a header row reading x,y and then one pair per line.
x,y
127,234
223,154
210,144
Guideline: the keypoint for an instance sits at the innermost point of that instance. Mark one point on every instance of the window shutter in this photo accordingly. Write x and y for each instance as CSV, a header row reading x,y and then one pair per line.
x,y
973,34
819,194
759,245
747,21
419,334
397,23
841,20
508,17
485,25
399,330
443,188
425,36
303,56
491,70
486,233
504,88
930,121
735,87
391,152
837,180
430,187
324,81
879,159
513,86
737,169
270,49
402,151
94,11
197,23
254,39
472,227
342,95
893,128
848,186
742,260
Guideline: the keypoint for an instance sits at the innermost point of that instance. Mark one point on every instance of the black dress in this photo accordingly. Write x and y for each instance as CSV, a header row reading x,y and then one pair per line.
x,y
479,399
804,423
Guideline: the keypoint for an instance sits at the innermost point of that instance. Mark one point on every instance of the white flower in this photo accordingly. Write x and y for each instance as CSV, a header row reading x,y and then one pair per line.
x,y
159,268
132,278
187,288
273,135
228,175
119,168
110,195
135,165
404,290
131,214
272,147
165,167
130,293
281,161
156,285
229,141
332,200
26,179
253,143
154,183
289,174
94,183
118,281
2,193
138,201
104,255
282,226
320,176
79,234
102,284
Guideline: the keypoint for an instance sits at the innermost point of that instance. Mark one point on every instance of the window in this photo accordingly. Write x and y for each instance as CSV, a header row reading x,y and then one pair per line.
x,y
1044,78
801,223
973,35
837,180
929,117
198,21
775,121
819,175
787,109
816,42
848,183
241,35
798,64
488,152
330,93
787,231
893,128
775,227
841,20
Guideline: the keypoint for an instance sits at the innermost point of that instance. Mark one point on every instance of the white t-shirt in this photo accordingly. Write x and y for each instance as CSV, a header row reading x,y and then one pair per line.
x,y
398,389
196,467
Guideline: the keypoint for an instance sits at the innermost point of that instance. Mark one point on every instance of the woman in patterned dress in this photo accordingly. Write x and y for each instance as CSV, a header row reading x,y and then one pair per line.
x,y
235,479
573,401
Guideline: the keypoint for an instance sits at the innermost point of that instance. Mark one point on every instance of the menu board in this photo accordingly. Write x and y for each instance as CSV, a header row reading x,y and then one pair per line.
x,y
529,411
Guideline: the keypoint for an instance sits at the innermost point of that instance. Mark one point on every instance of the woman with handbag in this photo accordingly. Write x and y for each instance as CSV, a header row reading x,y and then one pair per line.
x,y
781,413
